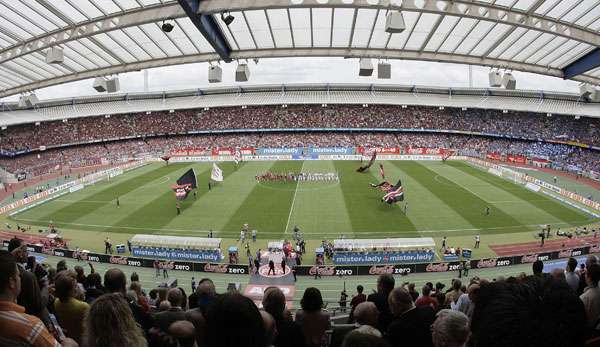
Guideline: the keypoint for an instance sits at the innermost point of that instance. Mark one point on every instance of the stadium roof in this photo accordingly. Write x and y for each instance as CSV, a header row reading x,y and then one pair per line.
x,y
294,94
106,37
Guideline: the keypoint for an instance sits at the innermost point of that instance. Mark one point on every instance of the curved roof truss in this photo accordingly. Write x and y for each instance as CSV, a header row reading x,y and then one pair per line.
x,y
103,37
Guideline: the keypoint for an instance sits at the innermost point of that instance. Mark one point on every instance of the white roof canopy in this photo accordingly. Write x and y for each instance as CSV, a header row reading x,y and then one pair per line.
x,y
401,243
107,37
175,241
314,93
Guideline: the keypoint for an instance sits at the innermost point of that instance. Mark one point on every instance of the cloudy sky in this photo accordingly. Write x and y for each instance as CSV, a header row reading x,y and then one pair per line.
x,y
307,70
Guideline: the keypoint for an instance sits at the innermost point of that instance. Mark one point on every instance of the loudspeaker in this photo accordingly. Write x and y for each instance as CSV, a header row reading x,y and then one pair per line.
x,y
587,91
112,85
28,100
242,73
54,56
215,74
508,81
22,101
394,22
100,84
495,78
31,100
595,97
384,70
366,67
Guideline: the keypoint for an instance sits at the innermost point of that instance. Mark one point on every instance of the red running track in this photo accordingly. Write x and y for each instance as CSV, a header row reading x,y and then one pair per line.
x,y
549,246
28,238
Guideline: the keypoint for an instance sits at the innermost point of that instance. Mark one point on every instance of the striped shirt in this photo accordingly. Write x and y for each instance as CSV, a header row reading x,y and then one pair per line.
x,y
19,329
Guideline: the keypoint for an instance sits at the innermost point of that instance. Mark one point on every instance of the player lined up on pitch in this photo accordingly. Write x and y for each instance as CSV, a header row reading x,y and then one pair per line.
x,y
297,177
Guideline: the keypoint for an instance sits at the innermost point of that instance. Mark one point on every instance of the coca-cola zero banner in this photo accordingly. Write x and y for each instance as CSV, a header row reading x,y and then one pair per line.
x,y
323,270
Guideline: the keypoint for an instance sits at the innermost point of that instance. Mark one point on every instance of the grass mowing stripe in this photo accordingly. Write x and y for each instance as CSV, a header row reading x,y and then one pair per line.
x,y
268,204
160,211
420,202
319,207
563,212
366,210
75,211
466,204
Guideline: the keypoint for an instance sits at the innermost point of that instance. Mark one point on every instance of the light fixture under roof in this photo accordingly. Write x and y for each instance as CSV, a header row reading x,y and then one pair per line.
x,y
227,19
167,27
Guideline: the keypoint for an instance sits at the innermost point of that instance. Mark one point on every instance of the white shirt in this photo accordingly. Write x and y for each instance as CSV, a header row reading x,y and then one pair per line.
x,y
572,280
591,302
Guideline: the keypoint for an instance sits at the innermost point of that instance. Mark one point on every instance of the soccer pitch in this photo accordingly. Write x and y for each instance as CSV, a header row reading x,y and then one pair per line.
x,y
443,198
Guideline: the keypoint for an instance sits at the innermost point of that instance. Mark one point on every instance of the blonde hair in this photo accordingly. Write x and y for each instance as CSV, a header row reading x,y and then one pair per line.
x,y
109,323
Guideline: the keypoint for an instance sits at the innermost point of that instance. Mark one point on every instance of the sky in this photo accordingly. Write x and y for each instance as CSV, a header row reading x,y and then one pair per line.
x,y
306,70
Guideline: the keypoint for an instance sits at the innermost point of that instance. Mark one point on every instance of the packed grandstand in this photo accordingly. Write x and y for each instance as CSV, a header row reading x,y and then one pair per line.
x,y
562,141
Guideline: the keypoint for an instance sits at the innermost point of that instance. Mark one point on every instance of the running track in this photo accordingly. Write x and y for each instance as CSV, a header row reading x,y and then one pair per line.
x,y
549,246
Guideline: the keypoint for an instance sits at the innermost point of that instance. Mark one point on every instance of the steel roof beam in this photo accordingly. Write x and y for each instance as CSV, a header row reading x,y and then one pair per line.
x,y
303,52
586,63
208,27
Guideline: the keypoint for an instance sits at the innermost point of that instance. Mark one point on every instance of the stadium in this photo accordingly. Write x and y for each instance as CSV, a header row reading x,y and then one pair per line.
x,y
254,207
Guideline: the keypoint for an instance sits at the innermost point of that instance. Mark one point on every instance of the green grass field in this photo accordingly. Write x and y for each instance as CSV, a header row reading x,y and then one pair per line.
x,y
443,199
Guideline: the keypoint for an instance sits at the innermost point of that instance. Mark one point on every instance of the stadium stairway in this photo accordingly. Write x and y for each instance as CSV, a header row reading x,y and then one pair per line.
x,y
259,281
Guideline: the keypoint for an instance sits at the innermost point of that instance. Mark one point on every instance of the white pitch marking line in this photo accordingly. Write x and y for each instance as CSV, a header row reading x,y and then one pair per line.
x,y
293,201
459,185
175,231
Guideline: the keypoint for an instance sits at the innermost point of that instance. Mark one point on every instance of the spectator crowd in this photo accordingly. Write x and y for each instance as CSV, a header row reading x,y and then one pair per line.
x,y
46,306
135,134
88,129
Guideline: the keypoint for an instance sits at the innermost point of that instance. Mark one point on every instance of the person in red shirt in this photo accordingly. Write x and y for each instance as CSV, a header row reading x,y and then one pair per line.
x,y
426,299
16,327
356,299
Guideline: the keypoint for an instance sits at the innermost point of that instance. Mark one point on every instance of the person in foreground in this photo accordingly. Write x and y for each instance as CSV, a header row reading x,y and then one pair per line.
x,y
450,329
533,312
411,325
16,327
234,320
313,319
110,323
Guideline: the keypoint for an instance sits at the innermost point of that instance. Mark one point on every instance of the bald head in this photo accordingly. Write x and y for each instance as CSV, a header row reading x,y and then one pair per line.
x,y
366,313
400,301
164,306
450,329
115,281
175,297
184,332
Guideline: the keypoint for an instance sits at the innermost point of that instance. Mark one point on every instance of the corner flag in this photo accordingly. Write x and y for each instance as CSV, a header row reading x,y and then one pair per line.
x,y
216,174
